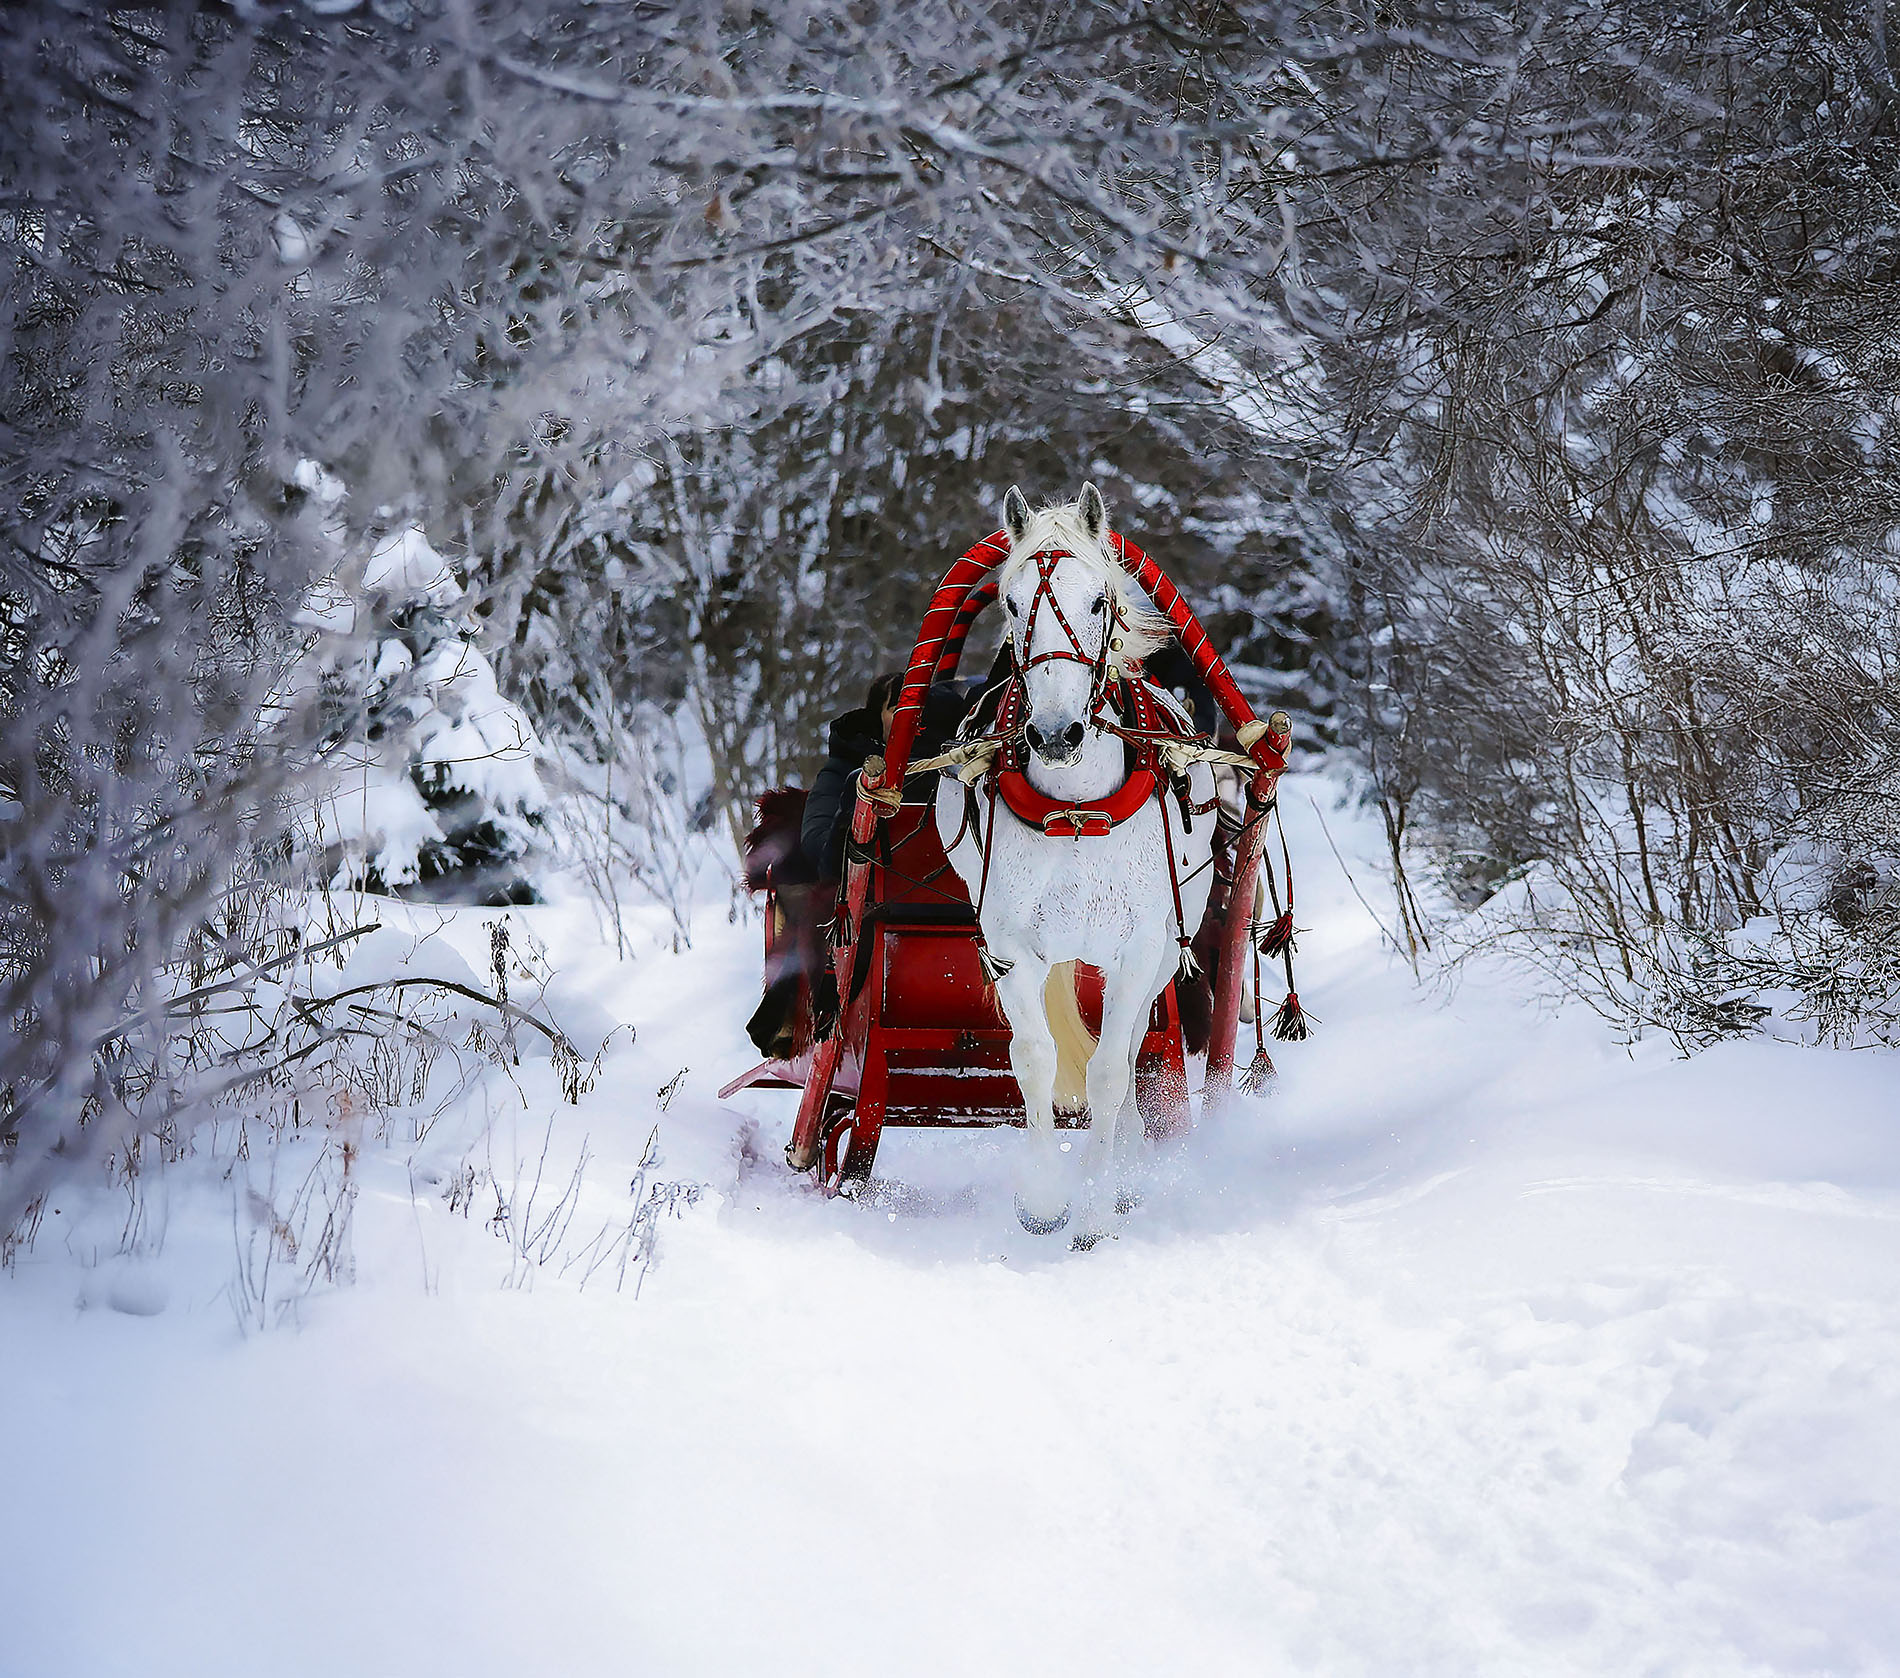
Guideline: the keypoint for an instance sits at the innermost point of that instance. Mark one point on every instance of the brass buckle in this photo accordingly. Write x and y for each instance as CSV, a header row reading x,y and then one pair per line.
x,y
1077,824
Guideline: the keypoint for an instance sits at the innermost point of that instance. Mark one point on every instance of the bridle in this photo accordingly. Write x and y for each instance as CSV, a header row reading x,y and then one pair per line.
x,y
1141,724
1046,562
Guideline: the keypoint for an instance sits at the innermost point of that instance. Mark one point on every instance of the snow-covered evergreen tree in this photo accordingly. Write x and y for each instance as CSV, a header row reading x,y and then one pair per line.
x,y
435,793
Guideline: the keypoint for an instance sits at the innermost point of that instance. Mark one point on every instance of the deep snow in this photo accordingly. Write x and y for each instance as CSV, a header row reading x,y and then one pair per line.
x,y
1484,1345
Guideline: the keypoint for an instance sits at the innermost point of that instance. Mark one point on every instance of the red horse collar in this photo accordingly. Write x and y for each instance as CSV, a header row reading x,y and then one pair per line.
x,y
1062,820
1069,819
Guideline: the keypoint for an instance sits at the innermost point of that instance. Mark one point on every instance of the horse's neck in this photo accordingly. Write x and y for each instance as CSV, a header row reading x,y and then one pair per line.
x,y
1096,774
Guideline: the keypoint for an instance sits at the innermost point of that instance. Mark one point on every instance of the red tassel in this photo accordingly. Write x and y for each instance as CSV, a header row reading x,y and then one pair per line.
x,y
1279,936
1258,1075
1289,1024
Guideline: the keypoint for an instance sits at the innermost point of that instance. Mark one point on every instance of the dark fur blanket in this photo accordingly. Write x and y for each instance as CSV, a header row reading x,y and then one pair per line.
x,y
772,856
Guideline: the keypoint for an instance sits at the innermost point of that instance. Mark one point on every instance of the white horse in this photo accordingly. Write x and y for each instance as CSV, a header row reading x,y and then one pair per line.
x,y
1078,623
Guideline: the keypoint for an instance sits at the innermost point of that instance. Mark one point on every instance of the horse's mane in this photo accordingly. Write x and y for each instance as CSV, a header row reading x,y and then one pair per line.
x,y
1060,526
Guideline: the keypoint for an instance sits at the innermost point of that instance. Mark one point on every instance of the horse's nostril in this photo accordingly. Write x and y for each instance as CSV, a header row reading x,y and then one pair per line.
x,y
1054,745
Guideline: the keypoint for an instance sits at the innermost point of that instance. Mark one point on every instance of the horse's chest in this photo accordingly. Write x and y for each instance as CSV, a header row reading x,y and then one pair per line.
x,y
1098,899
1087,889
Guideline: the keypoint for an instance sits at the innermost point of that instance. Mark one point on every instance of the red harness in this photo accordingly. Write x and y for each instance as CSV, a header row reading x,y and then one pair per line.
x,y
1074,821
1070,819
1060,818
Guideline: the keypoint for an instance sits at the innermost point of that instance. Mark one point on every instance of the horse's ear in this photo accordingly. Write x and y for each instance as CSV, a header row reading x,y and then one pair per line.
x,y
1094,512
1015,514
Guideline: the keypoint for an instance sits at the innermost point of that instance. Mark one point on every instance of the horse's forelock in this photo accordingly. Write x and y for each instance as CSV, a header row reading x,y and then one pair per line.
x,y
1061,528
1058,527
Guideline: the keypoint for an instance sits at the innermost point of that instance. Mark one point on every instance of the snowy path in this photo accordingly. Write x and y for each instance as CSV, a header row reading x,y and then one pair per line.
x,y
1483,1346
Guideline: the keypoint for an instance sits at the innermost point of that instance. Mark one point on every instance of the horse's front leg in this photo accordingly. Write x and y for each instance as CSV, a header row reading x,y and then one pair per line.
x,y
1126,999
1042,1198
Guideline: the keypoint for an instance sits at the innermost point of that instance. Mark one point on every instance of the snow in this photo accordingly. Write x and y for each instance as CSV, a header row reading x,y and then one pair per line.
x,y
372,809
1275,416
473,738
403,563
1484,1345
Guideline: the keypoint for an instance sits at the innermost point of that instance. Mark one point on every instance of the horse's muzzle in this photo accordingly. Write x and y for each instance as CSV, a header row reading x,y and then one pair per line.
x,y
1062,748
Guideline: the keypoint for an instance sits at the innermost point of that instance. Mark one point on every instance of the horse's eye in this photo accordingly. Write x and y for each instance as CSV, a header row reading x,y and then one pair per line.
x,y
1101,603
1010,607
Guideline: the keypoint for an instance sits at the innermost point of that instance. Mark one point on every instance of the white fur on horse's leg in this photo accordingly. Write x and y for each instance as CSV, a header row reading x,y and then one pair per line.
x,y
1110,1084
1042,1199
1133,1136
1129,1137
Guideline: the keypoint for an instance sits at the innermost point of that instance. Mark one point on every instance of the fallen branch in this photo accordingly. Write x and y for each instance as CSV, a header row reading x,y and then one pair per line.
x,y
171,1007
554,1034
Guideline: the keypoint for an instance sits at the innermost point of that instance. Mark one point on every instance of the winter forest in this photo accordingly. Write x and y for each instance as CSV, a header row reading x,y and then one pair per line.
x,y
456,455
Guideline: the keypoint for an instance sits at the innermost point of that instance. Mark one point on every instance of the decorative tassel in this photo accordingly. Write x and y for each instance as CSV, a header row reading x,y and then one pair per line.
x,y
1289,1024
1278,935
1189,966
1254,1079
1257,1076
994,967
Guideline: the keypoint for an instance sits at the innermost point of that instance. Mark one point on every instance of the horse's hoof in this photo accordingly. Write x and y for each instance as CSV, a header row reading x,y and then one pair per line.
x,y
1036,1225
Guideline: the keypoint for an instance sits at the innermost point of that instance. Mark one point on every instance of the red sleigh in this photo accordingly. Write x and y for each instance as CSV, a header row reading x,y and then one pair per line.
x,y
918,1038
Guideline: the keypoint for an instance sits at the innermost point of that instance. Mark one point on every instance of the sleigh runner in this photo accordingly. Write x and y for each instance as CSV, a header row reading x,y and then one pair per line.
x,y
918,1037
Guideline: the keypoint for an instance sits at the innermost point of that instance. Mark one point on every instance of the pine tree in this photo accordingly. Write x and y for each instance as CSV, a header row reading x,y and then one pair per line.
x,y
436,794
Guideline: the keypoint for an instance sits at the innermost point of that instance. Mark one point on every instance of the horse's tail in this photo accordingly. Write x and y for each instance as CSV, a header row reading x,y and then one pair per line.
x,y
1074,1041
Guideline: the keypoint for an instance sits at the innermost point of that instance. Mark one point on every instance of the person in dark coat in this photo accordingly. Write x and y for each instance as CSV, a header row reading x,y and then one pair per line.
x,y
854,736
1169,666
861,734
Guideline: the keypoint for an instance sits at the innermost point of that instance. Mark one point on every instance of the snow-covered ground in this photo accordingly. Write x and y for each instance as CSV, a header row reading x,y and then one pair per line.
x,y
1484,1345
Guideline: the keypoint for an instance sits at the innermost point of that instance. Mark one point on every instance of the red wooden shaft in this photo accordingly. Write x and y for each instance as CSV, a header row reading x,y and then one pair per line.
x,y
945,604
804,1151
1167,598
973,605
1228,976
1270,752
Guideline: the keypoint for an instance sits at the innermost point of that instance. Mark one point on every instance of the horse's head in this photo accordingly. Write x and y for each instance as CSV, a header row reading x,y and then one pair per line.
x,y
1074,617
